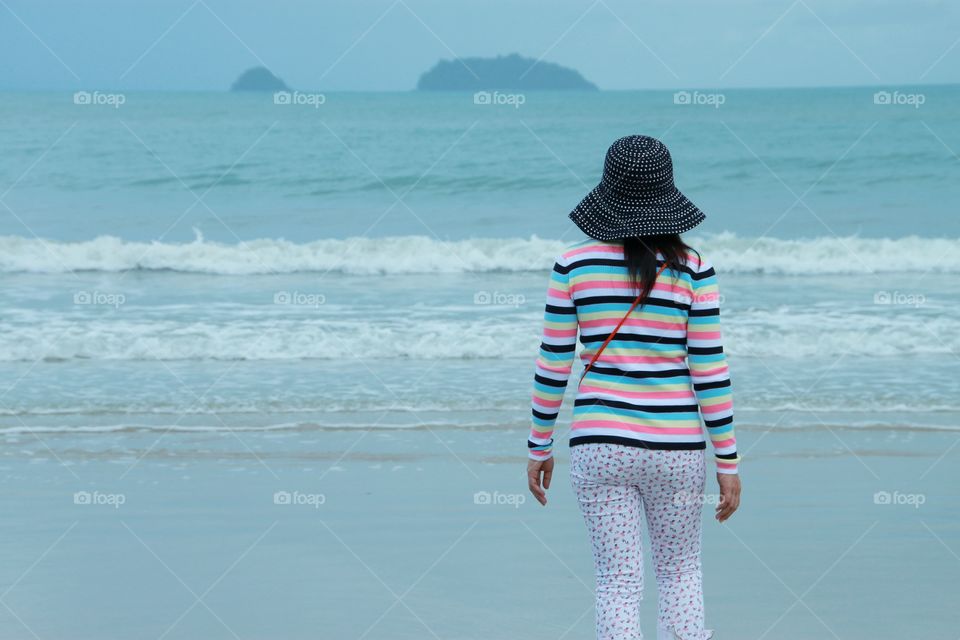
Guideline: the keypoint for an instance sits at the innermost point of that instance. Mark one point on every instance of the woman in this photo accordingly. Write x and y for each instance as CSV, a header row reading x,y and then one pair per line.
x,y
646,305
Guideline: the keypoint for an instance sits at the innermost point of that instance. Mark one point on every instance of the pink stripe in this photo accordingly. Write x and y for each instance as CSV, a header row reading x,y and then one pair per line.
x,y
560,333
547,404
620,426
592,248
717,408
612,321
647,395
561,369
708,372
557,293
703,335
720,444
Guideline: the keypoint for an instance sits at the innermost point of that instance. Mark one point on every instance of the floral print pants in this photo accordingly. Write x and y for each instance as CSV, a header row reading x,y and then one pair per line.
x,y
613,483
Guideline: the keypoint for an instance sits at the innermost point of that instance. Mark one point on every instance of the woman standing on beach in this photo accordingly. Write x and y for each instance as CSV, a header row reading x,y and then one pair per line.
x,y
647,309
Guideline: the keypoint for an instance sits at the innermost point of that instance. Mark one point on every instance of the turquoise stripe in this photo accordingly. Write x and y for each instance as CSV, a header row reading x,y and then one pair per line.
x,y
648,346
598,380
707,359
616,411
714,393
548,390
723,430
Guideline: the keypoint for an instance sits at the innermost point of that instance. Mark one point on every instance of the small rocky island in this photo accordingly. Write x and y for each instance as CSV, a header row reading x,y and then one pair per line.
x,y
259,79
503,73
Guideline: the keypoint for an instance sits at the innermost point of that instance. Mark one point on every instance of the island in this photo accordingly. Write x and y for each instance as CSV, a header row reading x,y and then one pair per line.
x,y
503,73
259,79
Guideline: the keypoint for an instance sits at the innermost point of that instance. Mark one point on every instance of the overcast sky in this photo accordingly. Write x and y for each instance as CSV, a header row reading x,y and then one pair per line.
x,y
386,44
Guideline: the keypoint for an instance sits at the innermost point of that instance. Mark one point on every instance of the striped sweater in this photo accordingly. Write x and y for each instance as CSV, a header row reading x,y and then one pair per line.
x,y
662,372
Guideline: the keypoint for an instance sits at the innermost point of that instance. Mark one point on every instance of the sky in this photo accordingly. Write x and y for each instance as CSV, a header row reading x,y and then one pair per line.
x,y
384,45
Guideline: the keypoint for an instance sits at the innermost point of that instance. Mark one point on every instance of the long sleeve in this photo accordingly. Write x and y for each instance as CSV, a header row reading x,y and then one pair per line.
x,y
708,368
557,350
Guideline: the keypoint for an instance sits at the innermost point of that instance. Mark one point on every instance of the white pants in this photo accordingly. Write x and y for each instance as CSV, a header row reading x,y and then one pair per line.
x,y
613,484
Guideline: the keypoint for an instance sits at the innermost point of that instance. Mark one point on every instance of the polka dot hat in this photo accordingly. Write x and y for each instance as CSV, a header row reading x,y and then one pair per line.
x,y
636,196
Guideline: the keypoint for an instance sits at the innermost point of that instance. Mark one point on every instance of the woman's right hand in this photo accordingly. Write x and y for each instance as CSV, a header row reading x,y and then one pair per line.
x,y
729,495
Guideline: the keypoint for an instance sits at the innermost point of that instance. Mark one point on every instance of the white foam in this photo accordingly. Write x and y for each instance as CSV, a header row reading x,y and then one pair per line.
x,y
421,254
866,331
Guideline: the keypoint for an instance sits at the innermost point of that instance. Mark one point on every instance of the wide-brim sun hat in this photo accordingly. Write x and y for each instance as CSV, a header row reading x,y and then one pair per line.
x,y
636,195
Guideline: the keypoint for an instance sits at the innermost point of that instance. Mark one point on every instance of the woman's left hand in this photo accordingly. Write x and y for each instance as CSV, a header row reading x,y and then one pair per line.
x,y
539,473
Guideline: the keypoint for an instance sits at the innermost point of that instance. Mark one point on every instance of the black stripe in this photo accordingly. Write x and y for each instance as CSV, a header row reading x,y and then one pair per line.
x,y
651,301
561,384
647,408
726,456
719,422
639,375
703,313
704,274
531,444
704,351
633,442
552,308
562,270
545,416
703,386
631,337
618,262
558,348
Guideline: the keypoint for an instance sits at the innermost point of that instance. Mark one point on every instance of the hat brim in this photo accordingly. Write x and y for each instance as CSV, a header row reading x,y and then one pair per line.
x,y
605,217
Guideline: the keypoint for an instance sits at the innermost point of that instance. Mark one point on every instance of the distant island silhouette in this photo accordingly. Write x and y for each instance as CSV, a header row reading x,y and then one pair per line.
x,y
259,79
505,73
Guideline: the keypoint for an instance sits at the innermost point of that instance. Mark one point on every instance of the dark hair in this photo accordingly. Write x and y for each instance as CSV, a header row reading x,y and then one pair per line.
x,y
640,255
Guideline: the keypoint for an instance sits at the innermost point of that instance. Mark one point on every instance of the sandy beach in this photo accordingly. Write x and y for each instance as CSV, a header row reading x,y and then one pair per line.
x,y
429,533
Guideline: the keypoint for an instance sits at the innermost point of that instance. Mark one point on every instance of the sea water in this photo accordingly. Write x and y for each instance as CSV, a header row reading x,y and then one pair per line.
x,y
209,298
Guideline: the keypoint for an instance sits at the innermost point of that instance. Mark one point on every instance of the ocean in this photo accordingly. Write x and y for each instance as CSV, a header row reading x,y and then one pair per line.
x,y
211,296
